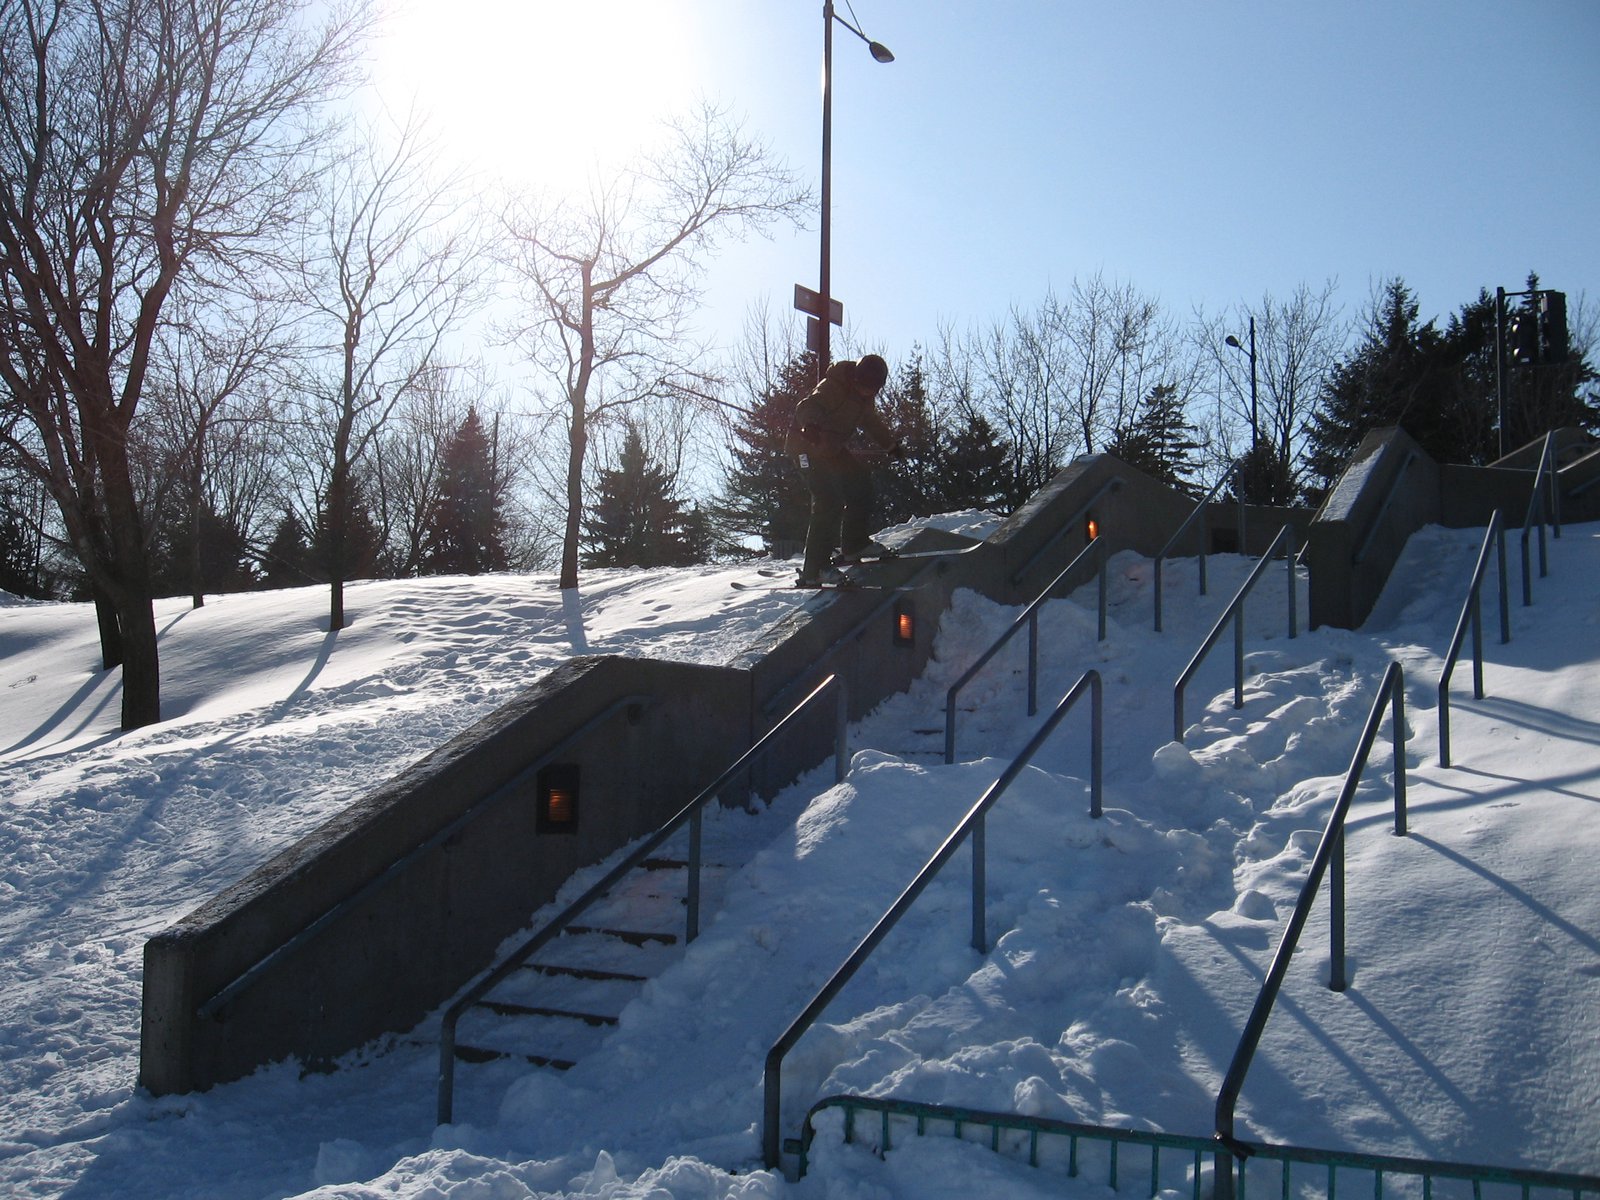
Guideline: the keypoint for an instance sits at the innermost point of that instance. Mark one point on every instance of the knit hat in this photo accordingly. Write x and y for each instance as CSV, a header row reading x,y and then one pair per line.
x,y
872,371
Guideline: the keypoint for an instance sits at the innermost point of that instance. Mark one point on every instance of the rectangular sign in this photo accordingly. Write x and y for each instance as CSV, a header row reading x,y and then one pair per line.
x,y
808,301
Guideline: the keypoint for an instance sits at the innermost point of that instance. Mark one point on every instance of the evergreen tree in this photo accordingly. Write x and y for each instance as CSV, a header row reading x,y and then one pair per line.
x,y
763,494
974,467
467,533
1159,440
1265,477
1440,387
1398,375
17,546
286,562
1540,395
908,486
637,520
357,553
193,549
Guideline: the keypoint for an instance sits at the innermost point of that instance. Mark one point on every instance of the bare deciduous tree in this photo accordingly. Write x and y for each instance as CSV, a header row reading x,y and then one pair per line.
x,y
1298,341
142,143
393,271
210,411
609,284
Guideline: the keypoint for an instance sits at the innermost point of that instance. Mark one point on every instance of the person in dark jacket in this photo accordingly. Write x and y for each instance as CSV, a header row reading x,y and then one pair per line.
x,y
839,481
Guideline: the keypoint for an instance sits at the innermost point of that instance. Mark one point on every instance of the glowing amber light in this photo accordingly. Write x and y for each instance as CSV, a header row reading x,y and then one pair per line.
x,y
1092,528
559,806
904,627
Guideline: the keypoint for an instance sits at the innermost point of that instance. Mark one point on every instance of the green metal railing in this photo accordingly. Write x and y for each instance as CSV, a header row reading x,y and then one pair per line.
x,y
1198,513
1472,614
1188,1151
972,824
1329,861
1235,612
1029,617
691,814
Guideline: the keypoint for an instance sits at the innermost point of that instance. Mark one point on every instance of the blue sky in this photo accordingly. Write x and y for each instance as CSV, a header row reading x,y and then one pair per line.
x,y
1205,152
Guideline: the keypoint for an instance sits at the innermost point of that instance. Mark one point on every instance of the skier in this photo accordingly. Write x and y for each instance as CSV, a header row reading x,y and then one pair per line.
x,y
839,482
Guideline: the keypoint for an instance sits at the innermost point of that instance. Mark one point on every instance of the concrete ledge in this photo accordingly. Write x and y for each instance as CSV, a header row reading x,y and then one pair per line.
x,y
1388,491
392,916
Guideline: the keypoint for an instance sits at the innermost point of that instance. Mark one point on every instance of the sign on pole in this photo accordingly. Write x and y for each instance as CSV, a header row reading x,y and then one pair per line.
x,y
808,301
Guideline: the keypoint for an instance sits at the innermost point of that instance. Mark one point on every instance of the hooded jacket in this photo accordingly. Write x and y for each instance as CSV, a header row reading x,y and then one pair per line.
x,y
825,420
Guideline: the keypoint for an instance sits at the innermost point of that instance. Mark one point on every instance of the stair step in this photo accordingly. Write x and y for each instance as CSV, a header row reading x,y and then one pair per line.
x,y
664,864
478,1054
634,937
679,864
507,1008
594,973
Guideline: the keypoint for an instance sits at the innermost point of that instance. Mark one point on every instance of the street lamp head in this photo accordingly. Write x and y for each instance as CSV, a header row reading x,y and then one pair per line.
x,y
1233,341
881,52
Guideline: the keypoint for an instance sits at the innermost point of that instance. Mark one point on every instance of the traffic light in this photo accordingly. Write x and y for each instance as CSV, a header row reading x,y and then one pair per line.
x,y
1522,335
1553,327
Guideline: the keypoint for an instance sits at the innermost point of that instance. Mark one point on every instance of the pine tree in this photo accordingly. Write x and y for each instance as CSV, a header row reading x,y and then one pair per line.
x,y
763,494
17,557
974,467
1541,395
637,519
1159,440
1440,388
286,562
1397,376
467,533
358,553
908,486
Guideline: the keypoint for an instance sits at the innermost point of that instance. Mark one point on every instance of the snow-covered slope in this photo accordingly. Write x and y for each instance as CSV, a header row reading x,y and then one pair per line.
x,y
1128,949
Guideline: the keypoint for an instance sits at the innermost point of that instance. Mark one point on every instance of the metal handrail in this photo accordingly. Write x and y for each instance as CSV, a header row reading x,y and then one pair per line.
x,y
1472,614
776,700
211,1007
1199,511
1384,505
1235,610
972,823
1329,860
1536,503
691,813
1194,1149
1073,522
1029,617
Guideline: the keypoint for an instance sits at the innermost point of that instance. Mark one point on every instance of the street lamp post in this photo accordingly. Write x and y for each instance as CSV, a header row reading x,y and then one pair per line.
x,y
1255,424
881,53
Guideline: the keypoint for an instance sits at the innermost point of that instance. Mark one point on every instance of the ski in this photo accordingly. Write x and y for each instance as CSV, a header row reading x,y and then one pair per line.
x,y
746,586
895,555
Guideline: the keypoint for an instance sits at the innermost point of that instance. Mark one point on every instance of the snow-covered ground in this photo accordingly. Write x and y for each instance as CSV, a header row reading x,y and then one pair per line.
x,y
1128,950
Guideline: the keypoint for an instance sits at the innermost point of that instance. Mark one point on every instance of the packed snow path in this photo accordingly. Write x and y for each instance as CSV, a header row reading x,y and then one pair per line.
x,y
1134,948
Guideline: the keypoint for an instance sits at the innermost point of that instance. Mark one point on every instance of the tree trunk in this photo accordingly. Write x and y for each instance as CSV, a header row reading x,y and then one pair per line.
x,y
129,590
141,668
578,432
338,511
110,634
578,441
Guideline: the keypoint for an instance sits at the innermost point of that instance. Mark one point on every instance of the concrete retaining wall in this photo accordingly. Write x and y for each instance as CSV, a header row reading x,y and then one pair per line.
x,y
1388,491
384,944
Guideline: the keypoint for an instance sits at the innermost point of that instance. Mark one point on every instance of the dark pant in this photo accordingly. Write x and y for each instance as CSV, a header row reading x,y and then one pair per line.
x,y
841,500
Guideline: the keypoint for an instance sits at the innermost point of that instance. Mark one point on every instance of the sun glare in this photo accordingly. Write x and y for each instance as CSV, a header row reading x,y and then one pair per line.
x,y
538,92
